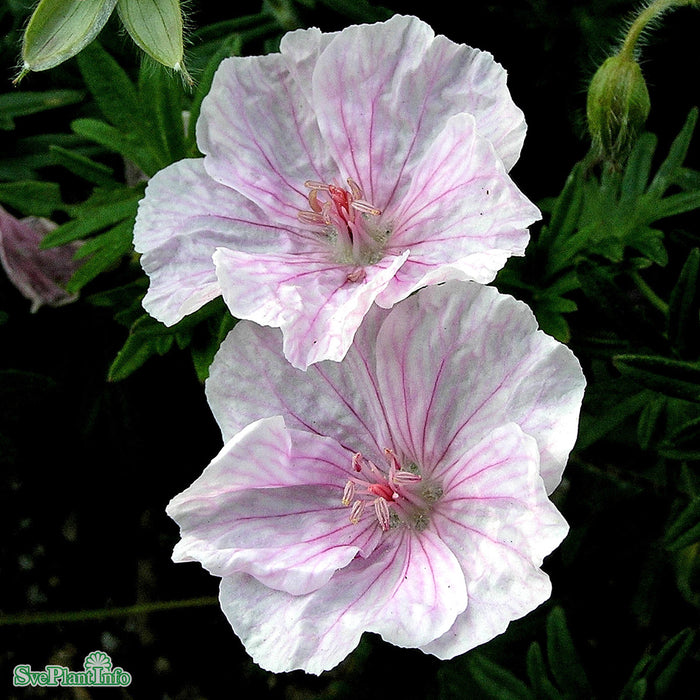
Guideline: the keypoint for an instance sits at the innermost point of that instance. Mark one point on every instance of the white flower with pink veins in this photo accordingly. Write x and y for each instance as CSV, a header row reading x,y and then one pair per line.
x,y
351,168
401,491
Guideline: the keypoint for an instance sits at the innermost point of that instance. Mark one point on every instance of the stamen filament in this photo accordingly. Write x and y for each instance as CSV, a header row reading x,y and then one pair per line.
x,y
381,510
358,508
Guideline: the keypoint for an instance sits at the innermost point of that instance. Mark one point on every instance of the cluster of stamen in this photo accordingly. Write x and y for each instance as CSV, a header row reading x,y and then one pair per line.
x,y
381,490
340,202
345,218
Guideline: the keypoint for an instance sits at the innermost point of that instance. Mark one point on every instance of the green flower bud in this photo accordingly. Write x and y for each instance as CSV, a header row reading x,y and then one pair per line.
x,y
617,107
59,29
156,28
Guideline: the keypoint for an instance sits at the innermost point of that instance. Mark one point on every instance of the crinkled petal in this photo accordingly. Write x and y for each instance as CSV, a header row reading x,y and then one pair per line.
x,y
301,49
312,300
183,218
408,579
383,92
260,137
40,275
462,216
250,379
270,505
496,518
456,360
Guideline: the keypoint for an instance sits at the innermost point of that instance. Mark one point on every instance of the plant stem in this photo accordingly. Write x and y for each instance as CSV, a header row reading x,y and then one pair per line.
x,y
649,13
99,614
651,296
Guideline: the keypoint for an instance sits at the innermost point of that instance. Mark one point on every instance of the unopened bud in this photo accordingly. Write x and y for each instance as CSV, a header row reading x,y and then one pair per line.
x,y
156,28
617,107
59,29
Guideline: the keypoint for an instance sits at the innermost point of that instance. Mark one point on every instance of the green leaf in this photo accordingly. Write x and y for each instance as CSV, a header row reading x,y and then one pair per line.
x,y
104,208
686,436
684,309
676,155
669,377
163,92
82,166
112,89
114,140
663,669
216,329
648,426
563,659
537,674
496,681
638,168
59,29
612,300
147,337
677,204
156,28
685,529
230,47
635,690
19,104
605,421
102,253
33,197
120,103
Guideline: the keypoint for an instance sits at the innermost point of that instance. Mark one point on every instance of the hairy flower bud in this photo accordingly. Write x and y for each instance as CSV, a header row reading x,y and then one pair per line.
x,y
617,107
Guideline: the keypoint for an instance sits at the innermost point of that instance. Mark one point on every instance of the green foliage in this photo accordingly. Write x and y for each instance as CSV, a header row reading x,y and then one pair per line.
x,y
653,676
32,198
611,218
140,120
20,104
202,331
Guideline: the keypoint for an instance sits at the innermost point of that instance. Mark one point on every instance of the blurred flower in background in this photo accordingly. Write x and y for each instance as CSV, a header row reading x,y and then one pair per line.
x,y
40,275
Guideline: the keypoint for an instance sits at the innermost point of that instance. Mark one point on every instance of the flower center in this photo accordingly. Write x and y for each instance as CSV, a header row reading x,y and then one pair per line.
x,y
399,497
349,223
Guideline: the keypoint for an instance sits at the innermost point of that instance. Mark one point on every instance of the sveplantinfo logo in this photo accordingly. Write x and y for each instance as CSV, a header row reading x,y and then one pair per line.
x,y
98,673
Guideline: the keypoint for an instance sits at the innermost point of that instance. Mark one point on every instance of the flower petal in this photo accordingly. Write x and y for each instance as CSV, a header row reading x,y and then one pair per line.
x,y
371,75
462,216
496,517
301,49
39,275
183,218
313,301
456,360
251,379
408,578
252,145
270,505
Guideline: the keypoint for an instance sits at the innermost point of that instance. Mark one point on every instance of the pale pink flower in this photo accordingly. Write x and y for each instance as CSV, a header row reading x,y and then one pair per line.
x,y
40,275
351,168
402,491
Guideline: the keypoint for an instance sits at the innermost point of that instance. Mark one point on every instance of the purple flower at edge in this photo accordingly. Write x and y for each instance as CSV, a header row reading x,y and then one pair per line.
x,y
350,168
402,491
40,275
